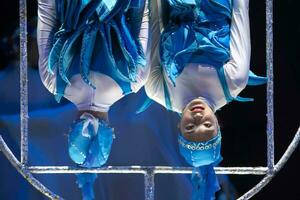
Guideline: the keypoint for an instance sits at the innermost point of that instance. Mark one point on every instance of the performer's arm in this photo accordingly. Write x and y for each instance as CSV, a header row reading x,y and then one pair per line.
x,y
144,32
144,28
47,25
154,85
139,23
237,68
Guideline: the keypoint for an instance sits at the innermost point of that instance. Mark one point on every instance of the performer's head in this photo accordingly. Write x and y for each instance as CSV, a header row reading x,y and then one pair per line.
x,y
200,138
199,122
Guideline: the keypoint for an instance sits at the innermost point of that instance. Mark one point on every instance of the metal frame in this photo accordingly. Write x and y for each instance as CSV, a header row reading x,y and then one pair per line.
x,y
149,172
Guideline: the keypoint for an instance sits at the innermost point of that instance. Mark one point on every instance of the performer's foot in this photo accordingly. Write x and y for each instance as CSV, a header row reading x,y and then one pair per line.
x,y
82,132
90,140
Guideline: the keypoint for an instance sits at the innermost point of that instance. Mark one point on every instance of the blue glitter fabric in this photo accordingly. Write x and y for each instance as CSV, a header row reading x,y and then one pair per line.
x,y
198,31
97,34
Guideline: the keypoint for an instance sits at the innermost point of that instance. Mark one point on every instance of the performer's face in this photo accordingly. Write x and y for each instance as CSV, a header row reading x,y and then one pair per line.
x,y
198,122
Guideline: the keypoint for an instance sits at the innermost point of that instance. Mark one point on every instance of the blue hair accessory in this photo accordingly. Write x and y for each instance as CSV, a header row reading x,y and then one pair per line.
x,y
90,143
201,153
203,156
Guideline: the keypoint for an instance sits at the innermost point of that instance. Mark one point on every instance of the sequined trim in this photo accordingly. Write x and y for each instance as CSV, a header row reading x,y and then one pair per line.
x,y
200,146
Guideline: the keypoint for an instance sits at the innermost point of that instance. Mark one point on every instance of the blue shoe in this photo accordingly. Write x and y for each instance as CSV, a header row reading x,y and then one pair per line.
x,y
100,146
80,138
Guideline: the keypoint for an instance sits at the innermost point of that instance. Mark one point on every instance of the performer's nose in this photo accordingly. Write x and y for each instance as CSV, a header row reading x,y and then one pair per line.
x,y
198,116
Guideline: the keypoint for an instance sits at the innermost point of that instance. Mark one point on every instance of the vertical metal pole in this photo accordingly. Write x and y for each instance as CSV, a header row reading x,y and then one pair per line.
x,y
149,185
270,88
23,81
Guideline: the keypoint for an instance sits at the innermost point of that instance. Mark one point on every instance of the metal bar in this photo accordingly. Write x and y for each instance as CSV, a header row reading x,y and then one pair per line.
x,y
287,154
24,172
74,170
149,177
149,172
149,184
23,81
292,147
270,86
218,170
257,188
143,170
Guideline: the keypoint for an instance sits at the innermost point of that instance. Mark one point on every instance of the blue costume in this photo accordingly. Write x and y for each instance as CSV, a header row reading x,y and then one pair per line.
x,y
92,52
201,48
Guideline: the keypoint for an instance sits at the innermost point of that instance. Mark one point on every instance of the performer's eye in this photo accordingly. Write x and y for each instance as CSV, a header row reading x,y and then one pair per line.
x,y
189,127
207,125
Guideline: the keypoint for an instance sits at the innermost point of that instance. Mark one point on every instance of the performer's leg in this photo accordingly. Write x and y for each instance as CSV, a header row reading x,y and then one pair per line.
x,y
46,28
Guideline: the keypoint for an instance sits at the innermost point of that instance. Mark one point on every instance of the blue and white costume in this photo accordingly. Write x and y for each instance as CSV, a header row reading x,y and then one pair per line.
x,y
92,53
198,53
200,48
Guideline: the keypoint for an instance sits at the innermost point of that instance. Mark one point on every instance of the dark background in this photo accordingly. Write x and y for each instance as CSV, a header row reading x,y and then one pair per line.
x,y
244,125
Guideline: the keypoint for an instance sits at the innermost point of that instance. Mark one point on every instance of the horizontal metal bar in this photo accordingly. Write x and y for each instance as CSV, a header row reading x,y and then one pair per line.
x,y
26,171
143,170
219,170
76,170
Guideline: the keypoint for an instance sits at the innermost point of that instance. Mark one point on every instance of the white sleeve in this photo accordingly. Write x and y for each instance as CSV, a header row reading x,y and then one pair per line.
x,y
154,85
144,30
237,68
47,25
143,37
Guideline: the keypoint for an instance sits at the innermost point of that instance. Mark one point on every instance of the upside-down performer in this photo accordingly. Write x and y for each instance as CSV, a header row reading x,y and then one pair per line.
x,y
200,59
92,52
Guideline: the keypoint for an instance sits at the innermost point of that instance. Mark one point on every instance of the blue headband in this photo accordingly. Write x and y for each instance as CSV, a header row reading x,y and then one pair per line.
x,y
201,153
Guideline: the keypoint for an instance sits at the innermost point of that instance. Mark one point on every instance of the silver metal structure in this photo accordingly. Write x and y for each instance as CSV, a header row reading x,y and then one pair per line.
x,y
149,172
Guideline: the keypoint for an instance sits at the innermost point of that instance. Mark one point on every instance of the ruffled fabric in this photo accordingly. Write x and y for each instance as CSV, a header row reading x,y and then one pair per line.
x,y
84,26
89,147
198,31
